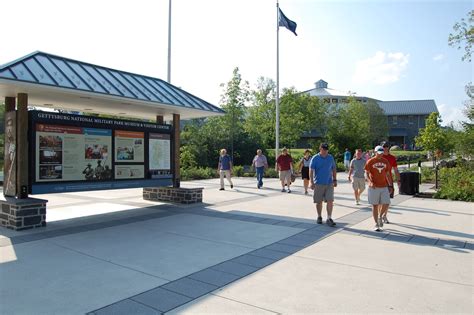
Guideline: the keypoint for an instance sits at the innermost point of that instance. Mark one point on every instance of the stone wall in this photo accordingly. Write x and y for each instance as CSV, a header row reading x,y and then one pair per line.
x,y
171,194
22,214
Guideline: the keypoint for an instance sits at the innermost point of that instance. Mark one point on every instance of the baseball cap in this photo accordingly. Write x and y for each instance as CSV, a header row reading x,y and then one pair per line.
x,y
378,149
385,144
324,146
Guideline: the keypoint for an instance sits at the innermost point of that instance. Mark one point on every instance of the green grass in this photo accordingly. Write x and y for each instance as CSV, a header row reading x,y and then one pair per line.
x,y
408,153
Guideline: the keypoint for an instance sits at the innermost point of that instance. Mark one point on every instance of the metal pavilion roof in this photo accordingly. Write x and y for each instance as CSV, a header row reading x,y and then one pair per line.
x,y
412,107
63,83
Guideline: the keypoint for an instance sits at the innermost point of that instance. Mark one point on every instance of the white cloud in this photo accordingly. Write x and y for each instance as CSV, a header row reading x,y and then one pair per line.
x,y
451,114
382,68
438,57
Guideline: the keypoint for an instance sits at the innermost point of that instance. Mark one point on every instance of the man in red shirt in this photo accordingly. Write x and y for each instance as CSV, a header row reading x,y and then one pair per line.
x,y
380,185
284,165
393,168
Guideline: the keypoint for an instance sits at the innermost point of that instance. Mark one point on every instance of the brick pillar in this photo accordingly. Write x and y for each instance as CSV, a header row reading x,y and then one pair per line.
x,y
176,146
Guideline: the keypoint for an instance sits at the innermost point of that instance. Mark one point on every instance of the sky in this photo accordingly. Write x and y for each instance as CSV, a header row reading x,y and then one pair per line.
x,y
383,49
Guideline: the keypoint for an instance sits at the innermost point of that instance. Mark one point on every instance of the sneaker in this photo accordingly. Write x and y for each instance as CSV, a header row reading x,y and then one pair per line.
x,y
222,189
283,190
231,186
357,202
385,220
330,222
377,228
380,222
289,191
319,220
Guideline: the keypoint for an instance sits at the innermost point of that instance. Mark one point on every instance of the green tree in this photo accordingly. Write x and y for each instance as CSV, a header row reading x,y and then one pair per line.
x,y
233,101
432,137
378,124
349,127
463,35
299,113
260,120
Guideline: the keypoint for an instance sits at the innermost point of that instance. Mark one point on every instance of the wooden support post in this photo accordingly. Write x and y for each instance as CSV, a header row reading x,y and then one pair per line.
x,y
22,146
9,104
159,119
176,145
9,179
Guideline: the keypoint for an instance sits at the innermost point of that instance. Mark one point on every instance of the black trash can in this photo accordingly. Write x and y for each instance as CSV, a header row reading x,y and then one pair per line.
x,y
409,183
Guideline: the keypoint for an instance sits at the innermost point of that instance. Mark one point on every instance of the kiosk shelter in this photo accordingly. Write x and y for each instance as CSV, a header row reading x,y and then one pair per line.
x,y
56,151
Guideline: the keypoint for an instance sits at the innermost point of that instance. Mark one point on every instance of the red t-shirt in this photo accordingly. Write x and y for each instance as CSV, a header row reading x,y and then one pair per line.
x,y
393,163
378,168
284,162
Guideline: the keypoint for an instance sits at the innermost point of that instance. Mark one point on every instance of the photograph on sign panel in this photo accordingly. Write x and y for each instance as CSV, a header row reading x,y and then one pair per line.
x,y
96,151
129,171
97,171
125,154
50,142
51,157
51,172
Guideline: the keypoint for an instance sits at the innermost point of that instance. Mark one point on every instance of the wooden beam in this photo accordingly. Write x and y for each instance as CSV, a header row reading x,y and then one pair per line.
x,y
176,146
22,146
159,119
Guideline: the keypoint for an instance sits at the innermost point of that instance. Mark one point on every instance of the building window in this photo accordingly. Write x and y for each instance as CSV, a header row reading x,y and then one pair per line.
x,y
334,100
411,120
395,120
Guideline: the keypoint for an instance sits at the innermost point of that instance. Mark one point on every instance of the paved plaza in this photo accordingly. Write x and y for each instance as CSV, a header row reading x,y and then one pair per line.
x,y
242,251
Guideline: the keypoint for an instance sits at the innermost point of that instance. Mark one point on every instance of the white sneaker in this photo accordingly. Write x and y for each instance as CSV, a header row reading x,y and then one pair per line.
x,y
357,202
380,222
377,228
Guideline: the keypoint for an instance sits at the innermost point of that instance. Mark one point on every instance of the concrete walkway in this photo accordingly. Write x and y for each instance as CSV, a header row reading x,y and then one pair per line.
x,y
243,251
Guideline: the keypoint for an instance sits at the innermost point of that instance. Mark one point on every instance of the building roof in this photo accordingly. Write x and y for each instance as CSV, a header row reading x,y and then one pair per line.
x,y
413,107
321,90
64,83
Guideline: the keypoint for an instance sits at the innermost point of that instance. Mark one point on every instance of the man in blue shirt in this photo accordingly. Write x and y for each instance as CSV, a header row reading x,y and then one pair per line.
x,y
322,172
347,159
224,168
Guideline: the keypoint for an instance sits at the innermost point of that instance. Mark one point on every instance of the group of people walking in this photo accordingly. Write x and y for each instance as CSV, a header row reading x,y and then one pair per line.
x,y
319,173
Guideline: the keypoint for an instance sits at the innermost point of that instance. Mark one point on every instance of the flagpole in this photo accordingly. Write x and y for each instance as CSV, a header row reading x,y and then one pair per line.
x,y
169,43
277,101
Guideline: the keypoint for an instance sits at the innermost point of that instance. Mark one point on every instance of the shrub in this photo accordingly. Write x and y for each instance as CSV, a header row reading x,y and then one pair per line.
x,y
238,171
456,183
427,174
198,173
270,172
340,166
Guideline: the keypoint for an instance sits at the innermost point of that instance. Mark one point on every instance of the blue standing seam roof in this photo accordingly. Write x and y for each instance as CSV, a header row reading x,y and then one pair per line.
x,y
412,107
50,70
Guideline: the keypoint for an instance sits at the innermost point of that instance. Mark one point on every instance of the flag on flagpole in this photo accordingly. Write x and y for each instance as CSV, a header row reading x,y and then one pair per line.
x,y
286,22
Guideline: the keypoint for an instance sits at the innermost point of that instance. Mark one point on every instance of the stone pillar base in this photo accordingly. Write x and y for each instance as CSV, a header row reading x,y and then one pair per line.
x,y
22,214
171,194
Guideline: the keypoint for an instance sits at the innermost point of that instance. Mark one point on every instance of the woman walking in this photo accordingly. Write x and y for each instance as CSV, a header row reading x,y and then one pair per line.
x,y
304,169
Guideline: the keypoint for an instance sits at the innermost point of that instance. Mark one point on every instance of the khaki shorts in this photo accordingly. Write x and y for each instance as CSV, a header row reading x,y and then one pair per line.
x,y
285,176
379,196
323,192
358,183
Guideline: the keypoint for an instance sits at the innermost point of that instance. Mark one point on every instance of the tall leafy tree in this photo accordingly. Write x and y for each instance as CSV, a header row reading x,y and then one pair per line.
x,y
378,124
260,119
233,101
349,127
299,113
432,137
463,35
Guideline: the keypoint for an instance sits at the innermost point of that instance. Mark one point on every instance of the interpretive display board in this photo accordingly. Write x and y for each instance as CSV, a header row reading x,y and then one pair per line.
x,y
77,153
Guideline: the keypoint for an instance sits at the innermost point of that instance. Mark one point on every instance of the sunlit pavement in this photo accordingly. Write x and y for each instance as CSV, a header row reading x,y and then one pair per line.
x,y
243,251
